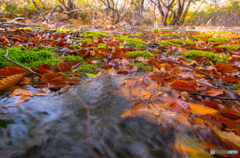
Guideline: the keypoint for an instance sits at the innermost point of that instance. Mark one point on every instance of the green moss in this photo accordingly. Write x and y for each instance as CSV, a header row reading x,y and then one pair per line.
x,y
180,41
212,56
84,67
121,45
166,53
143,66
137,34
94,34
133,42
76,46
101,45
145,54
29,57
205,35
232,47
166,42
166,35
88,40
155,50
218,40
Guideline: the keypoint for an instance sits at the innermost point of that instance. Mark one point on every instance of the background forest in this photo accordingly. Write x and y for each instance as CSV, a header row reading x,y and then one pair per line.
x,y
127,13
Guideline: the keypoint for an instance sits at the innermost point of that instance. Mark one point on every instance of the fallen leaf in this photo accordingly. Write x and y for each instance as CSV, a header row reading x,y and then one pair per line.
x,y
11,80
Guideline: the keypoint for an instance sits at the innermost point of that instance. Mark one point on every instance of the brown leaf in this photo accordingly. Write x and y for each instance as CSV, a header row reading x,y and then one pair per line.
x,y
11,80
63,67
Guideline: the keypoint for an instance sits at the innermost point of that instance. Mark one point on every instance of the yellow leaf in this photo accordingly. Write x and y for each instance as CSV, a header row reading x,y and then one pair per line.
x,y
11,80
91,75
200,109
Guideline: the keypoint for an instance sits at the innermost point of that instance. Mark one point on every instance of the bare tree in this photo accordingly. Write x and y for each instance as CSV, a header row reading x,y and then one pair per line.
x,y
173,10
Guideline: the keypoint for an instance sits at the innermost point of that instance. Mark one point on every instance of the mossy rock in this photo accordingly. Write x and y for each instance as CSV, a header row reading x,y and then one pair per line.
x,y
212,56
218,40
180,41
145,54
231,47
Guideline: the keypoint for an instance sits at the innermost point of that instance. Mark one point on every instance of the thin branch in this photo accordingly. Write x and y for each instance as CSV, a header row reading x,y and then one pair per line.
x,y
5,56
211,77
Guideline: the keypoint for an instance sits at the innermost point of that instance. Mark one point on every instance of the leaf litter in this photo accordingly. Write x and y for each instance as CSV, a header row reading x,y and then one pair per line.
x,y
188,87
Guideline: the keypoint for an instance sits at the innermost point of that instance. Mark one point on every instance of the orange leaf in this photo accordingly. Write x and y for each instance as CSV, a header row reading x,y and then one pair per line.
x,y
215,92
24,92
137,106
225,68
181,85
11,80
73,80
177,105
126,91
11,70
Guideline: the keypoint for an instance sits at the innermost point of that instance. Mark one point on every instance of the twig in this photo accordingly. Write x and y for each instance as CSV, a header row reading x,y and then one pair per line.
x,y
223,98
5,56
89,121
212,78
41,13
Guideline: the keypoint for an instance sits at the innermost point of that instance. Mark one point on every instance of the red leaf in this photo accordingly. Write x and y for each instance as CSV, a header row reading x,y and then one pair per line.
x,y
181,85
230,113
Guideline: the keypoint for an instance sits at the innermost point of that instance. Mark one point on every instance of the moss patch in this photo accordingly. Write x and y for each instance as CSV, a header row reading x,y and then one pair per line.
x,y
180,41
218,40
231,47
145,54
212,56
29,57
143,66
94,34
76,46
166,42
133,42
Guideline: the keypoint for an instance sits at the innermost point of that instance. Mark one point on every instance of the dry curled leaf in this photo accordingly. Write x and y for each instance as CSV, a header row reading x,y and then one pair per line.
x,y
11,80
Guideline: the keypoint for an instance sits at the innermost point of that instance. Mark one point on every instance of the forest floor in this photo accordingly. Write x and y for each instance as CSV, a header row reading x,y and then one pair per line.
x,y
177,79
